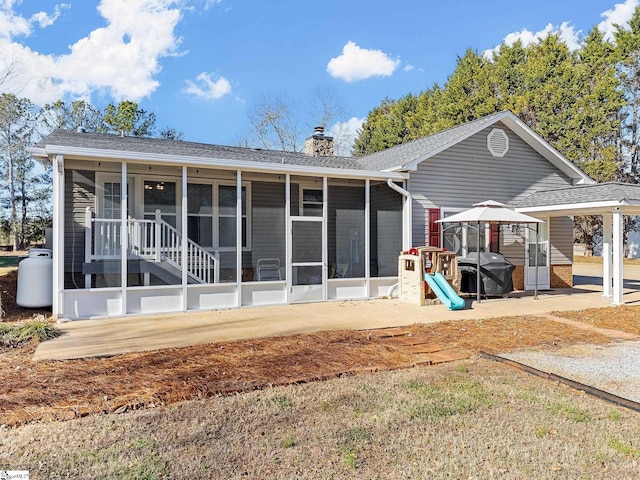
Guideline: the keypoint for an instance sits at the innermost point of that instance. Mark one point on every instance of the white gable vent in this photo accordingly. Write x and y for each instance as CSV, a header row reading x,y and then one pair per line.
x,y
498,142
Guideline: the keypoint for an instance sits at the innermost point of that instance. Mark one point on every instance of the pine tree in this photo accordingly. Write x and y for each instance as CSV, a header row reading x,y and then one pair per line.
x,y
628,69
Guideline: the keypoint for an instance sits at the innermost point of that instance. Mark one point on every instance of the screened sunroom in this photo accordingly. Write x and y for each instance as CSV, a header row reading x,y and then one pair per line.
x,y
136,233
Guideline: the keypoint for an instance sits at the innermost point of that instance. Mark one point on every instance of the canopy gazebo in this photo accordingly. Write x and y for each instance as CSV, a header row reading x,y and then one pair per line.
x,y
496,213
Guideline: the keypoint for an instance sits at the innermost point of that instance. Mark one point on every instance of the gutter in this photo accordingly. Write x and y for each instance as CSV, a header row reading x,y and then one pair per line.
x,y
158,159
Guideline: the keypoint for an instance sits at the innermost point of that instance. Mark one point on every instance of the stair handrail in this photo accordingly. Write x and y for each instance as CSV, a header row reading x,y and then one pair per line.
x,y
154,240
200,262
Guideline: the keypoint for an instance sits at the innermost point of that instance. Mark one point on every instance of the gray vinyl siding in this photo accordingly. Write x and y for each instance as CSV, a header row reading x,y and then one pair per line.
x,y
294,206
561,240
268,222
79,194
467,173
386,240
338,229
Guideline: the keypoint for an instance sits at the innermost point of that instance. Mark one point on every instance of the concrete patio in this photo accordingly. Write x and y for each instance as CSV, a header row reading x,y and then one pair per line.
x,y
106,337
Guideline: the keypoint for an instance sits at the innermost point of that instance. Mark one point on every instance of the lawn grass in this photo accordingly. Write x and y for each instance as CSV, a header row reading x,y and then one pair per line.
x,y
9,261
468,419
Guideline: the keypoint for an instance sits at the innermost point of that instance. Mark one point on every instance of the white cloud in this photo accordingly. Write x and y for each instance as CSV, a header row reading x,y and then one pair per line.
x,y
11,24
120,58
344,135
46,20
204,87
567,33
356,63
618,15
408,68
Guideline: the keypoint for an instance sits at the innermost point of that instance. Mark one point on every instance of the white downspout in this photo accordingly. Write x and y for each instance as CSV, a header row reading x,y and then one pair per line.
x,y
406,214
407,219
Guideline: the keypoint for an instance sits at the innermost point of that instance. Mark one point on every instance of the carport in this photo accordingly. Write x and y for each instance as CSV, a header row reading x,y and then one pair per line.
x,y
612,201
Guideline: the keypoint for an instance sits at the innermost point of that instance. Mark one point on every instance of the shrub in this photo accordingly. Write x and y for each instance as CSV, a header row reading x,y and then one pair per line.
x,y
37,328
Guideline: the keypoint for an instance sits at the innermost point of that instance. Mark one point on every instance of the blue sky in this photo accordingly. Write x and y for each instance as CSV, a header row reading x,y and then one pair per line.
x,y
202,65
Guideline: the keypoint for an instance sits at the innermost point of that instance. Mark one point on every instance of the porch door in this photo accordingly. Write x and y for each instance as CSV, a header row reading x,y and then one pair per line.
x,y
108,209
543,257
307,266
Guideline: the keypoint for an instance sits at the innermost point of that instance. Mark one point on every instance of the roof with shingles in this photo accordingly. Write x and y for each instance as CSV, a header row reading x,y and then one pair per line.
x,y
400,158
400,155
101,141
583,194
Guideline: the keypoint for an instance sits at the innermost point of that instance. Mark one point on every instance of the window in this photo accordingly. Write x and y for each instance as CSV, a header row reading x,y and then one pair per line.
x,y
216,228
227,217
160,195
312,202
111,200
200,214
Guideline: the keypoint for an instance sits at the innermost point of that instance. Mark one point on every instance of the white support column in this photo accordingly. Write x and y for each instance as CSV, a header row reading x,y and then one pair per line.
x,y
58,237
184,232
124,237
287,238
367,237
88,237
325,235
239,236
607,230
618,255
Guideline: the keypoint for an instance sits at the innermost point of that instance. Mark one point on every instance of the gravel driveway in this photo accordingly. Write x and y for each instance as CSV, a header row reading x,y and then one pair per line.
x,y
614,367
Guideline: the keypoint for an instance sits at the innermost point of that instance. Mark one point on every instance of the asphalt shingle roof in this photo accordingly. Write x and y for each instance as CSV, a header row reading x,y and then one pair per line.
x,y
580,194
392,158
401,155
100,141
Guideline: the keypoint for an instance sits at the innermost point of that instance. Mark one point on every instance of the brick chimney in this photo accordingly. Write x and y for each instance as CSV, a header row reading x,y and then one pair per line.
x,y
318,145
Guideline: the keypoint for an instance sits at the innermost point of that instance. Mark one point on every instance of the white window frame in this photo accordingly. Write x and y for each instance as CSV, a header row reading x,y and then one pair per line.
x,y
301,203
216,202
215,215
102,178
212,215
178,200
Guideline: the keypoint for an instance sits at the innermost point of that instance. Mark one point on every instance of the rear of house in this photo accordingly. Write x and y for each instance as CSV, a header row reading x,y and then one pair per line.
x,y
151,226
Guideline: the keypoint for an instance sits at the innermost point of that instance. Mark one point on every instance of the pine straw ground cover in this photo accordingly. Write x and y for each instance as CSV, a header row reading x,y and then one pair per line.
x,y
45,391
471,419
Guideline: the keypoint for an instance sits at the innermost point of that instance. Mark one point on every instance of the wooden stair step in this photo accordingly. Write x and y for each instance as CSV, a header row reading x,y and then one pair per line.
x,y
390,332
442,357
406,341
424,348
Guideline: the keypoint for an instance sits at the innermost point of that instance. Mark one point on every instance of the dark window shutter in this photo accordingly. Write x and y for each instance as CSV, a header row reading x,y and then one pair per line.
x,y
434,228
494,241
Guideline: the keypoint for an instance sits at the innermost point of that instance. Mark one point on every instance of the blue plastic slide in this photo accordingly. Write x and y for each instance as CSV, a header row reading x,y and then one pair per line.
x,y
444,291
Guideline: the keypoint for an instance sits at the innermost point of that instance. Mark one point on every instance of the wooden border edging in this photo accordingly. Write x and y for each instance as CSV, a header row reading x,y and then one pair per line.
x,y
596,392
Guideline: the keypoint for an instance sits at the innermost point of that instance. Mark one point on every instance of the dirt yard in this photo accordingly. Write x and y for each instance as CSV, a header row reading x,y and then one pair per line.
x,y
50,391
257,408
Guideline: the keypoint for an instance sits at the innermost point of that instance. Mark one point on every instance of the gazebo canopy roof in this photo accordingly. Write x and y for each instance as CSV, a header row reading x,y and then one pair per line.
x,y
490,211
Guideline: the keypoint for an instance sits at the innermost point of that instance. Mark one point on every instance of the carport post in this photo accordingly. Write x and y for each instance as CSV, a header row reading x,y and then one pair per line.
x,y
618,250
607,227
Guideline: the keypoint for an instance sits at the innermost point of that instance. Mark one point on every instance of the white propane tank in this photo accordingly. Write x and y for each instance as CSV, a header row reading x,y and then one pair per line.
x,y
35,279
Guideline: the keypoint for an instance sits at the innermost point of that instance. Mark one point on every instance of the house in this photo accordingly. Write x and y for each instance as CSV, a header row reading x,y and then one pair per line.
x,y
147,226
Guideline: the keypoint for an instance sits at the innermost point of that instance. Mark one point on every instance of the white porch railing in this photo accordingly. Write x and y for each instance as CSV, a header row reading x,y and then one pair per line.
x,y
151,240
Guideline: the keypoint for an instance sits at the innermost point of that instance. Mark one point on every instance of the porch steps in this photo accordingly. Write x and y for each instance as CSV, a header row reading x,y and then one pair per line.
x,y
422,347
